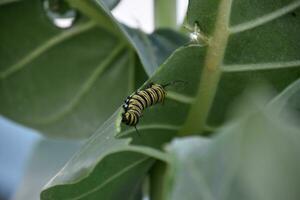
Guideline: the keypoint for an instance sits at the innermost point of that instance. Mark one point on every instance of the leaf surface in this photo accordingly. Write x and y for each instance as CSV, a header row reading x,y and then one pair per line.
x,y
67,82
160,123
47,158
111,164
288,102
255,156
249,42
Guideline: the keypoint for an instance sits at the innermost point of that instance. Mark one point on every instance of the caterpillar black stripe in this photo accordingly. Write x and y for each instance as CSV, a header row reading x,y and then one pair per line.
x,y
137,102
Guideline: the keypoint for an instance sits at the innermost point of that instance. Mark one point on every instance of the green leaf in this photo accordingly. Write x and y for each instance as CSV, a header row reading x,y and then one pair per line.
x,y
147,49
110,164
156,48
59,80
47,158
7,1
111,3
105,167
248,42
288,102
255,156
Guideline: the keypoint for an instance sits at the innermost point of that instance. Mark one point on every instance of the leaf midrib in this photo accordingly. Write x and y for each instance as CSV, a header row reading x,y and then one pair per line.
x,y
86,86
115,176
148,151
214,67
260,66
41,49
211,72
264,19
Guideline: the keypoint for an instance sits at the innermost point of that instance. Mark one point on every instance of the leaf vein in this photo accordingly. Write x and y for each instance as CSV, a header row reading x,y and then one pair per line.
x,y
44,47
86,86
264,19
118,174
211,72
260,66
150,126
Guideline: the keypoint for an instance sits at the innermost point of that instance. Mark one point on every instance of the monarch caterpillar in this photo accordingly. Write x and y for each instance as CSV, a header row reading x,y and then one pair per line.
x,y
141,99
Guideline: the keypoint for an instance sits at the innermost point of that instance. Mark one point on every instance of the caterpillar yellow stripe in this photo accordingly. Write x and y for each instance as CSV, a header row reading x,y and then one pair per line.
x,y
137,102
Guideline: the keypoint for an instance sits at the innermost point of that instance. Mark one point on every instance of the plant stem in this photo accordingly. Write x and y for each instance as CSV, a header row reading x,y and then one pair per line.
x,y
211,73
165,14
157,174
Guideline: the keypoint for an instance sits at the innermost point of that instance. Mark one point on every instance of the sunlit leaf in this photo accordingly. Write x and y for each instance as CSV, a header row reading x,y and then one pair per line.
x,y
255,156
104,155
47,158
288,102
249,42
67,82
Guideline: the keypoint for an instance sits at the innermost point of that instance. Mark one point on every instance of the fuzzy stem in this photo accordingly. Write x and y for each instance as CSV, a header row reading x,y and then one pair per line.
x,y
157,175
211,73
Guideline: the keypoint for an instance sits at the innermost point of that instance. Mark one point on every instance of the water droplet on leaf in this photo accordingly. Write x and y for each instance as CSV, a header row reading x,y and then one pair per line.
x,y
59,13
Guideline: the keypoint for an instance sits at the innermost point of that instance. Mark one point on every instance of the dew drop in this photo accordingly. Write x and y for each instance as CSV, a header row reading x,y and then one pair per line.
x,y
59,13
194,36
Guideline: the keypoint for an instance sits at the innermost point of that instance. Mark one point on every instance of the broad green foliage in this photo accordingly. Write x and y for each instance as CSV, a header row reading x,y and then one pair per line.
x,y
255,157
249,42
89,164
288,103
243,157
83,178
210,71
6,1
68,82
48,156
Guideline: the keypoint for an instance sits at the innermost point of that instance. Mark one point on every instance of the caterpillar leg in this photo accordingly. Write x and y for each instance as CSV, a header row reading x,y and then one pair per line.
x,y
150,84
174,82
